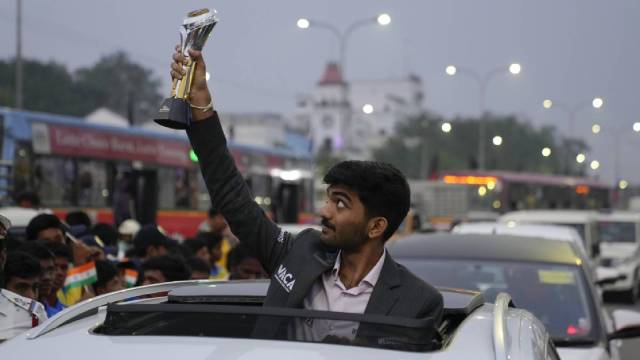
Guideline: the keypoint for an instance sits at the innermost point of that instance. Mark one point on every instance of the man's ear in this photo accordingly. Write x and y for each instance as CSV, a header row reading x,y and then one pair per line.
x,y
377,226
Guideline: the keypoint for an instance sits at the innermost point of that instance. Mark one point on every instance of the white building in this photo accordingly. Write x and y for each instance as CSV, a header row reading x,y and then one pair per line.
x,y
354,119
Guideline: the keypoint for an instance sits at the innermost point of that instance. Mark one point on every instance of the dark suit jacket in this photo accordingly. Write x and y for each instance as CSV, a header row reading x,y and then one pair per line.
x,y
294,264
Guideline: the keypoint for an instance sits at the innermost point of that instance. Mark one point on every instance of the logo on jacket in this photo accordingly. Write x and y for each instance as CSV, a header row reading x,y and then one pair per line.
x,y
285,278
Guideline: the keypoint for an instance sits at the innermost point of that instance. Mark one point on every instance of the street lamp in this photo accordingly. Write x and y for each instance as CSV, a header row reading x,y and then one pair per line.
x,y
546,152
497,140
595,129
483,81
595,164
384,19
580,158
636,126
367,109
623,184
572,111
446,127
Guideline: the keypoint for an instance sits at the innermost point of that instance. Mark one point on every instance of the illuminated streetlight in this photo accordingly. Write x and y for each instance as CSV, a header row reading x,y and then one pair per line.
x,y
581,158
546,152
636,126
595,129
547,104
623,184
384,19
597,102
451,70
367,109
515,68
595,164
497,140
303,23
446,127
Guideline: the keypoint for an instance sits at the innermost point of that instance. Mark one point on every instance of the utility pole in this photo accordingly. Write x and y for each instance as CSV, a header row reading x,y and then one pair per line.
x,y
19,101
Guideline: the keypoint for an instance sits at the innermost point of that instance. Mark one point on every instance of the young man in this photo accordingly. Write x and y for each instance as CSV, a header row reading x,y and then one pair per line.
x,y
343,268
243,265
49,272
109,279
164,268
22,275
62,260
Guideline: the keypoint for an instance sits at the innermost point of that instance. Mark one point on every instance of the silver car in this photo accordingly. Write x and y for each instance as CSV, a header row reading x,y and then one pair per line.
x,y
225,320
546,277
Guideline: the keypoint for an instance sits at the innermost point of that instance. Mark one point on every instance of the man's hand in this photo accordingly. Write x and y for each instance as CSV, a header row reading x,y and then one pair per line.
x,y
199,95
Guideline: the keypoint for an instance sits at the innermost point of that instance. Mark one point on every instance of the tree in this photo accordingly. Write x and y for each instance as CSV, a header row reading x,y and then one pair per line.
x,y
420,147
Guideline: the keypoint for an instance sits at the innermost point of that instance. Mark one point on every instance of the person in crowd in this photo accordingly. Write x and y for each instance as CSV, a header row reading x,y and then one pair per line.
x,y
48,273
126,232
366,202
28,199
217,257
150,242
45,227
164,268
108,234
217,225
244,265
78,217
22,275
199,268
197,247
62,260
109,278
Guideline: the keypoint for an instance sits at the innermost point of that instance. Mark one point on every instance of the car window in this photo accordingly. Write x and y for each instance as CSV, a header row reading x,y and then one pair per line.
x,y
617,231
555,294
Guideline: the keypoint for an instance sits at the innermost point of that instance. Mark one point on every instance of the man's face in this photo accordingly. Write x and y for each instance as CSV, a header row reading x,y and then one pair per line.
x,y
248,268
153,251
344,220
153,276
203,253
112,285
62,265
46,277
27,287
52,235
217,224
215,254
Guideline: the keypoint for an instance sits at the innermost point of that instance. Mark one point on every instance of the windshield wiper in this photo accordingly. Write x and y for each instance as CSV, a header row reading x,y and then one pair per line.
x,y
573,341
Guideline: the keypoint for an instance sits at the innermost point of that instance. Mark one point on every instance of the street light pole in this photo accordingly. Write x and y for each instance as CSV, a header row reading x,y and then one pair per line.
x,y
572,111
483,83
19,101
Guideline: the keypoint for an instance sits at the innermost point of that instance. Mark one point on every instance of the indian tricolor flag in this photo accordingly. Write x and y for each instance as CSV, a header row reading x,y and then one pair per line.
x,y
130,277
81,275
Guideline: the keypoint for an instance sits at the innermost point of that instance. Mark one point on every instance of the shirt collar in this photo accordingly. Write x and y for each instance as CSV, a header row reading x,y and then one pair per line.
x,y
371,278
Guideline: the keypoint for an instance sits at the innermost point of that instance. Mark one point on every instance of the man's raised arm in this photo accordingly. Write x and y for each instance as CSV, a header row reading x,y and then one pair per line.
x,y
227,188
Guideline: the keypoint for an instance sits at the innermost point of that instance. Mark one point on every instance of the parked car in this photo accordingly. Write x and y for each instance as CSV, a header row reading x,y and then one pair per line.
x,y
224,320
546,277
619,234
583,221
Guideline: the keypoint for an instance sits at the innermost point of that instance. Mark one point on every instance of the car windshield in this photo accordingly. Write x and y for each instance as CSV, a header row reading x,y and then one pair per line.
x,y
617,231
555,294
268,323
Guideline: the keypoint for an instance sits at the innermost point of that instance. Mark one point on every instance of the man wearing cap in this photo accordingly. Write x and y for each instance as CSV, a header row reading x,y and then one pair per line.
x,y
17,313
126,232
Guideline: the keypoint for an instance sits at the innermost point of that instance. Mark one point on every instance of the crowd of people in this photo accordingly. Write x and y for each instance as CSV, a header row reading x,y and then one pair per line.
x,y
60,262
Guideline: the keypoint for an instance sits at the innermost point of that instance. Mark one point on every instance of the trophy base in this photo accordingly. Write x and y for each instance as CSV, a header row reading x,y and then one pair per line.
x,y
174,113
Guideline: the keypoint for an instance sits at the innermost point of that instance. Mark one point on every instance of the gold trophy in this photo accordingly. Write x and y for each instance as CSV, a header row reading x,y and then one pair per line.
x,y
175,111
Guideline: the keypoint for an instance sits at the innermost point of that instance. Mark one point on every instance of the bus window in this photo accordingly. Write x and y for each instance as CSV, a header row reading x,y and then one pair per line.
x,y
92,183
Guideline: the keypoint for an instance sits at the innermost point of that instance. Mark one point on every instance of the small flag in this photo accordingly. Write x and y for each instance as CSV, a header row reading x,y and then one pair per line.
x,y
82,275
130,277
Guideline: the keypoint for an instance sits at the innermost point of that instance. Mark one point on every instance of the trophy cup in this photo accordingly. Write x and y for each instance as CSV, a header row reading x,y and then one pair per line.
x,y
175,111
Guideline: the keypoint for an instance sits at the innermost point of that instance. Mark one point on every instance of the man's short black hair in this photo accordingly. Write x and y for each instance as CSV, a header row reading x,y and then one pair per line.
x,y
382,189
148,236
41,222
59,250
173,268
22,265
107,233
38,250
198,264
78,217
192,245
105,271
210,238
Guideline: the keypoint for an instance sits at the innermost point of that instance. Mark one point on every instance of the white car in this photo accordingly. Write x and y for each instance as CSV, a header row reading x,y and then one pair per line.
x,y
224,320
546,277
583,221
619,234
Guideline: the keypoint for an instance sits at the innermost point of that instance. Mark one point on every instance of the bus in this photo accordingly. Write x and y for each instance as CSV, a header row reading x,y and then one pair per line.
x,y
148,174
504,191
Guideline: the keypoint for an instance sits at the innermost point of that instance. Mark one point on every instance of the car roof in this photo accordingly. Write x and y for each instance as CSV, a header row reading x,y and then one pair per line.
x,y
551,216
547,231
619,216
484,247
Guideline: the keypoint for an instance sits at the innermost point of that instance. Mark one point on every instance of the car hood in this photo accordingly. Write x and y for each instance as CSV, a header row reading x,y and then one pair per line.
x,y
593,353
617,250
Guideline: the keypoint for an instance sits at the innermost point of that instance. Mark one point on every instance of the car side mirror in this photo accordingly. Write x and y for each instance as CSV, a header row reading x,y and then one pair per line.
x,y
606,276
627,324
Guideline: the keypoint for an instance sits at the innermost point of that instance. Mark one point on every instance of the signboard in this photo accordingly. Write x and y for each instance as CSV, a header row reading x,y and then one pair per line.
x,y
84,142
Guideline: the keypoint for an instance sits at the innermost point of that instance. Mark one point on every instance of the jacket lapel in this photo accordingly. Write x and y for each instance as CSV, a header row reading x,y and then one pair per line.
x,y
321,261
384,296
